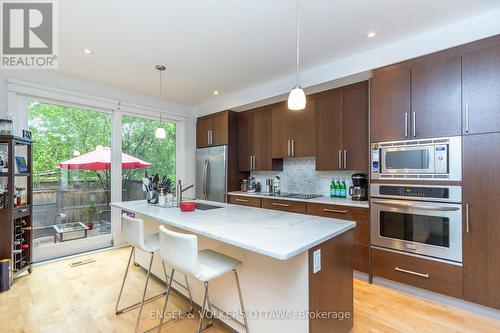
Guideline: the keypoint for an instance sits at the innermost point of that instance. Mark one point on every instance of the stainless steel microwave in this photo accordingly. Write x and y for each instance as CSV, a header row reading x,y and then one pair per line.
x,y
431,159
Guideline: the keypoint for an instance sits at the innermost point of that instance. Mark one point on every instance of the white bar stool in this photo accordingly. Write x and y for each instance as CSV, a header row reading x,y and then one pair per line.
x,y
133,231
180,251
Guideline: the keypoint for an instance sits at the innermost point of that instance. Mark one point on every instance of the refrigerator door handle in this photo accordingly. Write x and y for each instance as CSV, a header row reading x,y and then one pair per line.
x,y
205,174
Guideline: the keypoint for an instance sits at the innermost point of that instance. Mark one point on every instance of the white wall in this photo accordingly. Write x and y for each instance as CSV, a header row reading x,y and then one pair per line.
x,y
57,80
356,67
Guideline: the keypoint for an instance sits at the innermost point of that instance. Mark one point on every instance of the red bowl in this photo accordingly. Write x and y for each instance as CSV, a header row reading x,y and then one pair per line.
x,y
188,206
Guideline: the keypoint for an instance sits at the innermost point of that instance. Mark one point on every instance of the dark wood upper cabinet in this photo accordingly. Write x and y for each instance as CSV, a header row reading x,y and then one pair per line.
x,y
212,130
293,132
255,141
436,97
481,92
245,140
390,103
342,128
481,233
262,141
329,131
355,132
420,98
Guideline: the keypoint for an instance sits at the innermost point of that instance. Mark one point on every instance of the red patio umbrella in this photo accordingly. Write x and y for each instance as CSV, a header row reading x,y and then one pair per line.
x,y
100,159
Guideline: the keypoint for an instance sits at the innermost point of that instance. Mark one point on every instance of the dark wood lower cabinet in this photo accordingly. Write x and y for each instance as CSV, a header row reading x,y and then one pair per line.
x,y
422,273
361,238
243,200
481,230
284,205
331,289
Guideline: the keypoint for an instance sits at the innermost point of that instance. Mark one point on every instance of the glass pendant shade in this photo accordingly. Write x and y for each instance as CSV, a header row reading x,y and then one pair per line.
x,y
297,99
160,133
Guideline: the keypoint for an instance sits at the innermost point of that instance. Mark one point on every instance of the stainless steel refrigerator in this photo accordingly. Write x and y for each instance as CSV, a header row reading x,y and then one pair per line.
x,y
211,173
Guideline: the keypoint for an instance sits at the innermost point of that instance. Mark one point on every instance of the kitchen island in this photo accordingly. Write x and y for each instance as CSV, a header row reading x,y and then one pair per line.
x,y
282,289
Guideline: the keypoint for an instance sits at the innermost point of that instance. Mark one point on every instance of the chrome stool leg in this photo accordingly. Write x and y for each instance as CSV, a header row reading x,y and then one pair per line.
x,y
169,285
144,293
202,312
169,280
210,311
124,278
241,301
119,311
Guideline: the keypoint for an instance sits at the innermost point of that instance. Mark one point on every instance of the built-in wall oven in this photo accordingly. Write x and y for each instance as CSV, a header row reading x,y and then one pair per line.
x,y
427,159
420,219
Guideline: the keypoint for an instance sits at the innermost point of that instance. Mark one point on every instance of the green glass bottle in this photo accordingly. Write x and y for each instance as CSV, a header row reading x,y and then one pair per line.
x,y
343,189
337,189
332,189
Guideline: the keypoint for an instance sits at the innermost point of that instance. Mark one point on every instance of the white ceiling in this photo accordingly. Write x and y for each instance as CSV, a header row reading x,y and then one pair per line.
x,y
232,45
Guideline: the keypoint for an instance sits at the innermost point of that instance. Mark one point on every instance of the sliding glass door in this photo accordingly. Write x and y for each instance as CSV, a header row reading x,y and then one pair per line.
x,y
139,142
71,179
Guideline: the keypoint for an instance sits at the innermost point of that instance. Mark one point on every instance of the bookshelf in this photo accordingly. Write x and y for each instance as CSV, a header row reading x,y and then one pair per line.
x,y
16,198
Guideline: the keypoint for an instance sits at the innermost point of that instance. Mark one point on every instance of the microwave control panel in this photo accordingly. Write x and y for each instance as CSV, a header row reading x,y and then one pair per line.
x,y
441,158
375,158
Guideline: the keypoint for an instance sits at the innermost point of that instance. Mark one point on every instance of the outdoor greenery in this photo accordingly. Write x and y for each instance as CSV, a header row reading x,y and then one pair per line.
x,y
61,132
89,214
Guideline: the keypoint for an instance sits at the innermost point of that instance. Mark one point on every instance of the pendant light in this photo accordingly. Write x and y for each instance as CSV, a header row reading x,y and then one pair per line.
x,y
297,98
160,131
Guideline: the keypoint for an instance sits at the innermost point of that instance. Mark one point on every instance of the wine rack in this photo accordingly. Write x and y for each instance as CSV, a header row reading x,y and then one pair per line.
x,y
16,197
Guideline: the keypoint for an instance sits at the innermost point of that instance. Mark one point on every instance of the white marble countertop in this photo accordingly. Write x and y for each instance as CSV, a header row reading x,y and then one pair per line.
x,y
323,200
276,234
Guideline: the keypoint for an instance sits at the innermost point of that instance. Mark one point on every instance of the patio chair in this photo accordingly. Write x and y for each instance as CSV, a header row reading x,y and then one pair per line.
x,y
105,222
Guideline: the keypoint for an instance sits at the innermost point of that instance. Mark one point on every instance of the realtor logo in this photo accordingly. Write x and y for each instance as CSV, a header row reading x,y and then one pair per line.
x,y
28,34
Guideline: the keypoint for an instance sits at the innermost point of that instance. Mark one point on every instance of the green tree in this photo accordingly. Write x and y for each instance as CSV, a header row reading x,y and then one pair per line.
x,y
61,131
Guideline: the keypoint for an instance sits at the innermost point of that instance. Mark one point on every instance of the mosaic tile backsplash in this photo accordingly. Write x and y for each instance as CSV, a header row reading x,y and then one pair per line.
x,y
299,176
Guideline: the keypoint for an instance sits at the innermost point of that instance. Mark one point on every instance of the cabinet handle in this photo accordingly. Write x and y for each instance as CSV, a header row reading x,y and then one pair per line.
x,y
208,137
289,149
340,159
414,123
250,161
467,118
241,200
467,225
280,204
411,272
345,159
292,144
24,210
335,211
254,162
406,124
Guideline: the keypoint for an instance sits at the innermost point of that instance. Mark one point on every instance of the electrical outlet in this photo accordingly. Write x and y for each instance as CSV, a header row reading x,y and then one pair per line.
x,y
317,261
92,197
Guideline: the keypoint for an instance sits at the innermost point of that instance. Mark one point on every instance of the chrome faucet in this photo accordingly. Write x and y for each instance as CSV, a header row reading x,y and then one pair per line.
x,y
180,189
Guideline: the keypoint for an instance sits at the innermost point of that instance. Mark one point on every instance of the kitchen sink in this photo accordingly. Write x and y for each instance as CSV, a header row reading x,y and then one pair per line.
x,y
201,206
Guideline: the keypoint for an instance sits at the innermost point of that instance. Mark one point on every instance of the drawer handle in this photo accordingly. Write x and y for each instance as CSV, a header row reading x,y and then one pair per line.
x,y
411,272
241,200
280,204
24,210
335,211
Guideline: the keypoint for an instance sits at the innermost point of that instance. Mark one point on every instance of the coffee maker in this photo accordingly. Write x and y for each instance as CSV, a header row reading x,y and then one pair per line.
x,y
359,190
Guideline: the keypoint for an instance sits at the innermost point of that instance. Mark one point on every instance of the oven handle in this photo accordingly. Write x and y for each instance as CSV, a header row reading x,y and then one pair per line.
x,y
416,206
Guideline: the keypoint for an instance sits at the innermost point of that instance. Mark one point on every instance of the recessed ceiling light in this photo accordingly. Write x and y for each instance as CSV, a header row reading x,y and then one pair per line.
x,y
216,92
371,34
87,51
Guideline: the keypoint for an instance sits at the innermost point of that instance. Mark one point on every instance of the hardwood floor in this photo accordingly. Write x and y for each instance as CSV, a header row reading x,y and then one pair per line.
x,y
59,298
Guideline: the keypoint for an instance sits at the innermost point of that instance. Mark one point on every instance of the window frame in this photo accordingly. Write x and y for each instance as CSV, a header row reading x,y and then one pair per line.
x,y
19,93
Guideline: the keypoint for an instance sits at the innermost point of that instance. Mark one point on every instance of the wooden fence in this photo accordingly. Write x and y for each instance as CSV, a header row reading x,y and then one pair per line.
x,y
51,199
